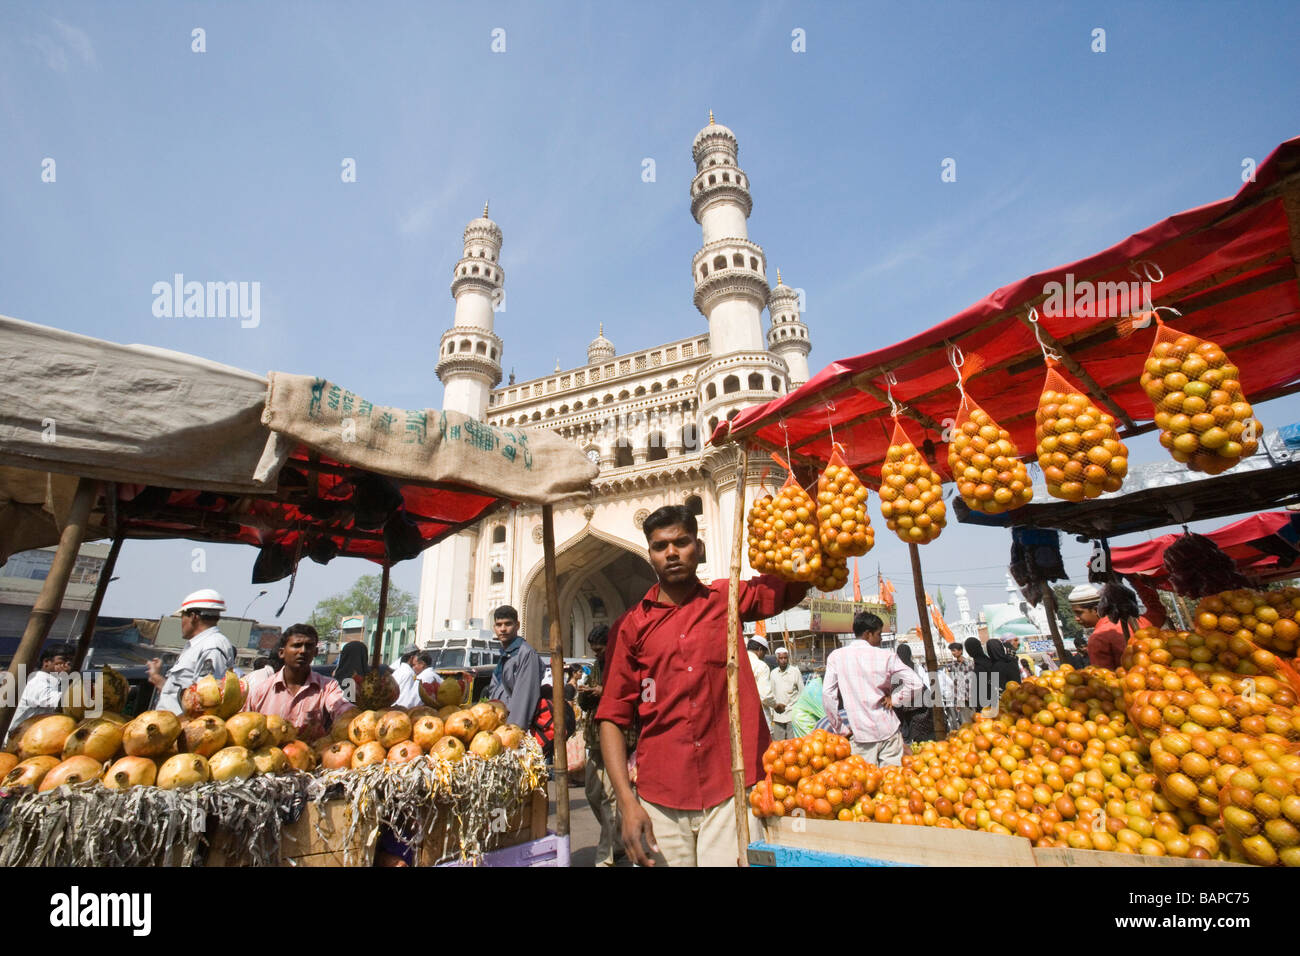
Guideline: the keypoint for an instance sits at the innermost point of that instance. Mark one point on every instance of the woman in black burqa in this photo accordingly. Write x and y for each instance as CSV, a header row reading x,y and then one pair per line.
x,y
352,661
1005,664
985,676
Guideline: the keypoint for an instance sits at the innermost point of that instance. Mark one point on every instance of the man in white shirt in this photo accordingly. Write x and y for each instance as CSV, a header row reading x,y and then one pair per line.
x,y
863,674
787,685
43,692
424,673
757,647
207,650
408,695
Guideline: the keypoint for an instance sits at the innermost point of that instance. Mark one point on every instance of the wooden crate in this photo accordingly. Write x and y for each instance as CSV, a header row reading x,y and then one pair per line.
x,y
894,843
301,845
526,822
1063,856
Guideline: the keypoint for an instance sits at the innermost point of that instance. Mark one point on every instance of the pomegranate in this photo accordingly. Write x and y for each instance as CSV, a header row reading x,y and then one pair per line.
x,y
151,734
429,692
415,713
485,744
447,711
404,752
451,691
364,728
46,736
270,760
73,770
115,717
485,715
30,772
16,733
369,753
300,756
503,712
247,729
234,691
339,755
130,772
320,746
462,725
202,697
281,730
183,770
510,736
7,762
339,729
231,763
426,731
203,735
377,689
96,737
392,728
449,749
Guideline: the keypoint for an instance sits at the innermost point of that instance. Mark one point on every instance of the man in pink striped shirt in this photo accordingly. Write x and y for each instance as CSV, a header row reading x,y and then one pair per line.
x,y
863,675
297,693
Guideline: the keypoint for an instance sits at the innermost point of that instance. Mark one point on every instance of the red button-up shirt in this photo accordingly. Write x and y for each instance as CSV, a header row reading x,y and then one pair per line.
x,y
668,667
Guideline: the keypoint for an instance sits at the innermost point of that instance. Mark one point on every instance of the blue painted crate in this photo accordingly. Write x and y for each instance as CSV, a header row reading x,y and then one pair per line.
x,y
773,855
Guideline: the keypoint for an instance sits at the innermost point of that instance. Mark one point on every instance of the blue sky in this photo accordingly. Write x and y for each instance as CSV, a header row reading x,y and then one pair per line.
x,y
225,165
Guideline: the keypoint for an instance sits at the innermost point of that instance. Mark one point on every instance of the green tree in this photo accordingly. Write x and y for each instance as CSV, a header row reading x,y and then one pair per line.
x,y
1070,628
361,600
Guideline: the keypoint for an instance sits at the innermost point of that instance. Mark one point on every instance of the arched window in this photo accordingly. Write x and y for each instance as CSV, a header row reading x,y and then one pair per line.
x,y
713,425
623,395
738,261
577,406
690,438
656,387
550,413
712,179
776,384
499,534
733,413
464,345
711,392
694,505
719,262
494,354
726,177
656,449
704,271
509,422
755,382
753,263
481,348
608,400
537,416
564,410
623,453
498,574
640,390
672,383
474,270
730,384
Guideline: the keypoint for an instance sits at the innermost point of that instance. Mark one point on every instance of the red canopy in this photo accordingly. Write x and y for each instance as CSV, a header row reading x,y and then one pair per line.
x,y
1263,546
1228,267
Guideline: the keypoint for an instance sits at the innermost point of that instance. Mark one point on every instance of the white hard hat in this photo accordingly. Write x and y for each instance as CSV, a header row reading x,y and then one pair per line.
x,y
1085,594
204,599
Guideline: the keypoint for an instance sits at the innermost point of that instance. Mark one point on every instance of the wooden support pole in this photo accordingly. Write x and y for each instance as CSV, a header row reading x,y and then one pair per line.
x,y
1049,599
733,663
50,599
931,659
557,675
379,624
101,586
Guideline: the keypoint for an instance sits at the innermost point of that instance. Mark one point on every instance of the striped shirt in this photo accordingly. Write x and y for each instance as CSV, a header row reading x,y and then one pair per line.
x,y
862,675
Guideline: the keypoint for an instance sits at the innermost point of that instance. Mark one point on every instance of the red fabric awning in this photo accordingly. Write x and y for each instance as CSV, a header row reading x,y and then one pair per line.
x,y
1257,544
1227,266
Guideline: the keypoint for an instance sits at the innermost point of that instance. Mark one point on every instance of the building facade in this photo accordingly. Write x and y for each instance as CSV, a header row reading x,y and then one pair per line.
x,y
642,416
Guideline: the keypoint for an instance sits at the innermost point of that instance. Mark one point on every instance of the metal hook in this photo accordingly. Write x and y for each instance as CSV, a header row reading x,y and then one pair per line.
x,y
1146,269
957,358
1047,352
890,382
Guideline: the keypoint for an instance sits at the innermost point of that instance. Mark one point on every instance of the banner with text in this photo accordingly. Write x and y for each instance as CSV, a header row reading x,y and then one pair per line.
x,y
836,617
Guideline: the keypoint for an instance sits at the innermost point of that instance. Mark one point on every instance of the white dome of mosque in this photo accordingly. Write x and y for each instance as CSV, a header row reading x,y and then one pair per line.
x,y
600,348
713,134
483,226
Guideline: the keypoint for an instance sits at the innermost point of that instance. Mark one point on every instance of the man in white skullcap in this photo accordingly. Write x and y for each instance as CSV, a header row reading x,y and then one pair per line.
x,y
1106,642
207,650
757,648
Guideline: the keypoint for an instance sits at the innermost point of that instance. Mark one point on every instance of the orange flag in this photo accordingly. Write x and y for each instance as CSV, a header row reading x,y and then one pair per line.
x,y
886,591
942,626
857,582
760,628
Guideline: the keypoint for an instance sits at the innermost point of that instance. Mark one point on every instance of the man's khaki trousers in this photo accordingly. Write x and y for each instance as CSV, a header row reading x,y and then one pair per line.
x,y
694,837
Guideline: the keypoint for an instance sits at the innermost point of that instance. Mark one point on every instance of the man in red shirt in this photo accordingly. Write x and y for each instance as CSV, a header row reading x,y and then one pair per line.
x,y
1106,642
667,671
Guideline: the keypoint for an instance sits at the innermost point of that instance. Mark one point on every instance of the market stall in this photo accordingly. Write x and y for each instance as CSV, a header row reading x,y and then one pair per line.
x,y
136,442
1134,338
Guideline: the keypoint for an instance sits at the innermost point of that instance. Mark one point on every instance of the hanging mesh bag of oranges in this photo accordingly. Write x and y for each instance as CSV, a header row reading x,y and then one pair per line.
x,y
842,521
911,494
783,537
985,462
1078,448
1203,416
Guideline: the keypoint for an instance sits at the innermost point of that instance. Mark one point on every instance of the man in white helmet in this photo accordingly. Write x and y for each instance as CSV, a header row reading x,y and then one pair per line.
x,y
207,650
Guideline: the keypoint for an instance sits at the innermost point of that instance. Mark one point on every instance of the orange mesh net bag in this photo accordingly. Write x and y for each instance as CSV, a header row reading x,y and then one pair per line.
x,y
1259,803
985,462
911,494
783,534
1078,448
1203,416
842,520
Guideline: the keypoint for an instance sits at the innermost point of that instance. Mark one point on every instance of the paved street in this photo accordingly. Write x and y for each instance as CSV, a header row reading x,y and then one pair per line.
x,y
584,832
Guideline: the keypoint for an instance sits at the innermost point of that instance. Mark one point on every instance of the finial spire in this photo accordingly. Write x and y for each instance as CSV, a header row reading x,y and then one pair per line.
x,y
778,276
601,330
710,117
557,363
485,208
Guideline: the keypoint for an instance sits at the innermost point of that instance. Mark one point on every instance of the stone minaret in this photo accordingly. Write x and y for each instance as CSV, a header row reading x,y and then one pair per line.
x,y
788,336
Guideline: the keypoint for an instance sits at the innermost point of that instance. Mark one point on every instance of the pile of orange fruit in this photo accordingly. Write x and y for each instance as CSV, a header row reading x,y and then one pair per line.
x,y
1203,417
986,465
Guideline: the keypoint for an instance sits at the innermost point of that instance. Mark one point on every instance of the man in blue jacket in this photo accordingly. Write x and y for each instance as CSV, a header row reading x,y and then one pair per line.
x,y
517,680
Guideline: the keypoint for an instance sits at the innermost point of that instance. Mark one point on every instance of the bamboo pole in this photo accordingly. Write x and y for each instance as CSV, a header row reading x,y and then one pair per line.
x,y
931,659
1049,599
50,599
557,676
733,664
101,586
379,624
